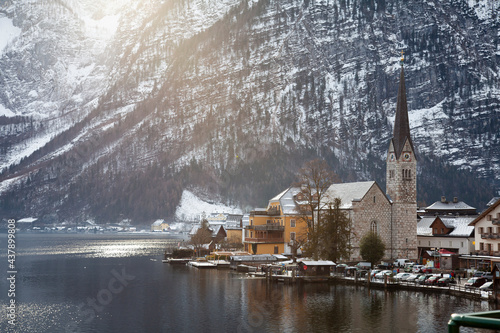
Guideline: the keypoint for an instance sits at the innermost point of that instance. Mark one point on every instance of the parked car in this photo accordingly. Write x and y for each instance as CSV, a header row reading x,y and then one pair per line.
x,y
427,270
418,268
445,281
432,280
487,286
374,272
380,275
413,278
475,282
488,276
401,276
423,277
478,274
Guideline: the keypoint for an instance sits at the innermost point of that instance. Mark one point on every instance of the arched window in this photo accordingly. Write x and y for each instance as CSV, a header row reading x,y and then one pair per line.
x,y
373,227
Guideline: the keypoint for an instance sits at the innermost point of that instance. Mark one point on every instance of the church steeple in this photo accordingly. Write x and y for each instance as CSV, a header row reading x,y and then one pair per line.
x,y
401,122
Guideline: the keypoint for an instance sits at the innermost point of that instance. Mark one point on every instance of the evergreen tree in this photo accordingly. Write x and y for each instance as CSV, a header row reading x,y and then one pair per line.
x,y
372,248
335,232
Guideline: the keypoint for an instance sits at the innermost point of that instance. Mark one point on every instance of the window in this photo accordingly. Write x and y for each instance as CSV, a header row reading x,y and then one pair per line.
x,y
373,227
251,222
498,246
488,217
481,246
451,243
418,242
429,243
292,223
292,236
276,249
488,247
442,230
391,173
374,199
481,230
435,231
462,244
490,230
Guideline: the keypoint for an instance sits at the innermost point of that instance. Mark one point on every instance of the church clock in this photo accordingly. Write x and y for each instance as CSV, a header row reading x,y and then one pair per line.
x,y
406,156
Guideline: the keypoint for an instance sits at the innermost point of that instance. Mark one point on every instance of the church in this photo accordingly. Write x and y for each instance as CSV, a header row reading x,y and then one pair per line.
x,y
393,214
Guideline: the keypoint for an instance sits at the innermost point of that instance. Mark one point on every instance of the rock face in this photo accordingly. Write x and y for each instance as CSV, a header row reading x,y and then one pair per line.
x,y
123,105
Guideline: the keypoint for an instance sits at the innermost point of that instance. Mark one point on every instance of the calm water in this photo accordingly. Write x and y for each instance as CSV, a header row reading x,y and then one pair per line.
x,y
117,283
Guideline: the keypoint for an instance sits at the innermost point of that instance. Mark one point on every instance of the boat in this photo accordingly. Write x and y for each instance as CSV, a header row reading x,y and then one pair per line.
x,y
245,268
202,264
220,263
180,261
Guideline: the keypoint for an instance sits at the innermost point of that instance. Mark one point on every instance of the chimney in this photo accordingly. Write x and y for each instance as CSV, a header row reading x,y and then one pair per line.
x,y
455,200
443,199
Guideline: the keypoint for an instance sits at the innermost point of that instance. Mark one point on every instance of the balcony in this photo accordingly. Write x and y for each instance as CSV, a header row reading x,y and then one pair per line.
x,y
267,227
490,236
264,240
496,221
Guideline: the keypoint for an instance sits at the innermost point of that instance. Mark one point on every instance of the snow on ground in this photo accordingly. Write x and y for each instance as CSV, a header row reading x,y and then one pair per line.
x,y
9,32
191,207
6,112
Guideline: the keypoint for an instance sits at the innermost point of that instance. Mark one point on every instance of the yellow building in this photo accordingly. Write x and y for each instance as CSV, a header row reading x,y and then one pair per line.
x,y
159,225
277,228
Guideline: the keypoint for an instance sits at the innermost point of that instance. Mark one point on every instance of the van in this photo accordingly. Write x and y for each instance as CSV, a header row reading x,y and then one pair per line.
x,y
402,262
364,265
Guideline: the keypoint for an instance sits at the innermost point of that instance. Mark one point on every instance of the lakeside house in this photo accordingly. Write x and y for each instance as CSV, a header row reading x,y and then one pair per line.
x,y
159,225
273,230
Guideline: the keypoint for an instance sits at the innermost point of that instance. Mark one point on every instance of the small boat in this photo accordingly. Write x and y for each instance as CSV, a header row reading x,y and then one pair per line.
x,y
245,268
202,264
181,261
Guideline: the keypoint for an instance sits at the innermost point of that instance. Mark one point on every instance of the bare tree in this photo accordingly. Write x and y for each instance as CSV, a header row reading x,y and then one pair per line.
x,y
315,177
202,236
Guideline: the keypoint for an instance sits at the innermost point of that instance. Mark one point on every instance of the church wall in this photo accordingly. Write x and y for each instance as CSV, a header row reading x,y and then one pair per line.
x,y
374,207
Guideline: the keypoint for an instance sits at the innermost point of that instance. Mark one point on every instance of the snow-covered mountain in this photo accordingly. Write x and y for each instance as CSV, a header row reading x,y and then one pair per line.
x,y
112,108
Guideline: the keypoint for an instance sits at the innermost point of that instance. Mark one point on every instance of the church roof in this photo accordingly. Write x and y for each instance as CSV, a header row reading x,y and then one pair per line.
x,y
401,122
347,192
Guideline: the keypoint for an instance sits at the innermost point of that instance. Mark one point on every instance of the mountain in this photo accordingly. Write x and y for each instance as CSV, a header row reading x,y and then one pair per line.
x,y
109,110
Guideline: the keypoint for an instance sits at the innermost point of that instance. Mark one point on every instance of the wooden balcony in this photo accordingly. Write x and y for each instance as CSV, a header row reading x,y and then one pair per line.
x,y
267,227
264,240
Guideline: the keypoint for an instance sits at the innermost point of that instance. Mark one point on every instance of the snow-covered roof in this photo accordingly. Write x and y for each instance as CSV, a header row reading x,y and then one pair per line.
x,y
287,201
347,192
449,206
492,201
158,222
318,262
459,225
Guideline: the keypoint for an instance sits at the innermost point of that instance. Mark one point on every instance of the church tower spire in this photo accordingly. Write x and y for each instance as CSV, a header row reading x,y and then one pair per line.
x,y
401,180
401,132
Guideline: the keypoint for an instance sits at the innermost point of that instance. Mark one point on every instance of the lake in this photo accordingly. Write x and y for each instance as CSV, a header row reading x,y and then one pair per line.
x,y
117,283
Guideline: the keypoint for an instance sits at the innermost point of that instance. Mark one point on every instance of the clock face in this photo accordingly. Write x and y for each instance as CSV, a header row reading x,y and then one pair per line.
x,y
407,156
392,157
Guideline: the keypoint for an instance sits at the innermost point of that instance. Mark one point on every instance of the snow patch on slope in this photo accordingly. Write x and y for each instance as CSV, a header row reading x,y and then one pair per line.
x,y
9,32
191,207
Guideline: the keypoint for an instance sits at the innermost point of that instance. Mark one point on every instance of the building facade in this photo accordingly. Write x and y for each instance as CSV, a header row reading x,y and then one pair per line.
x,y
275,229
